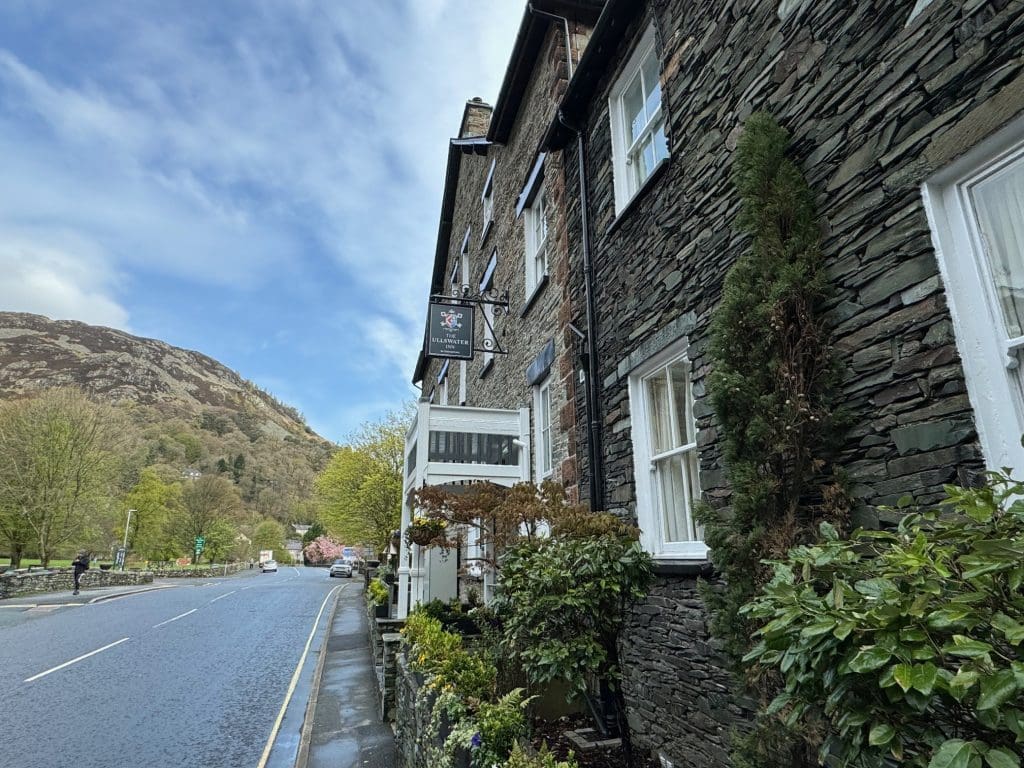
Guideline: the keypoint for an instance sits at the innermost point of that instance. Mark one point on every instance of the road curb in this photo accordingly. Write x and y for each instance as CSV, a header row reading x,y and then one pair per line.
x,y
117,596
302,758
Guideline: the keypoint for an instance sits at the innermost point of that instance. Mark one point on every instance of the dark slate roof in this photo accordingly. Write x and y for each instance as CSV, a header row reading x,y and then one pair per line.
x,y
603,46
525,50
477,145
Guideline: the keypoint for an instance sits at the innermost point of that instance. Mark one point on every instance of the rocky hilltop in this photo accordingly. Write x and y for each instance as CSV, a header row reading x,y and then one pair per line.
x,y
38,353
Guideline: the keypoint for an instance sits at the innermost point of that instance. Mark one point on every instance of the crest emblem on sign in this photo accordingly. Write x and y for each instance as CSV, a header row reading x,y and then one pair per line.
x,y
451,320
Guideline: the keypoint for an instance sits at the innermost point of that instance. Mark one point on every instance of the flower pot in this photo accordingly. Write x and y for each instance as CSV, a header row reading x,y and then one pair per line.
x,y
382,611
421,536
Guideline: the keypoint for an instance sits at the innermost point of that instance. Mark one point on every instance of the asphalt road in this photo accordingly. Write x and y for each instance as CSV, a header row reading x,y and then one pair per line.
x,y
195,675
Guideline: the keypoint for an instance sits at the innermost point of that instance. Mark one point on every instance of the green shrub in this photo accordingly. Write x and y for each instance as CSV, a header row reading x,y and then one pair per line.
x,y
906,644
494,730
563,602
441,655
544,759
379,592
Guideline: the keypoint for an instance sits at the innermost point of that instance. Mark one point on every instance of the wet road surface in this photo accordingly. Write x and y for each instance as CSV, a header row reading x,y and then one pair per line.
x,y
194,675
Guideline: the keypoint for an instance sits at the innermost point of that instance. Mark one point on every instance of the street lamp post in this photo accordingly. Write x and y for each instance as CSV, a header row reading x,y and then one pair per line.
x,y
124,546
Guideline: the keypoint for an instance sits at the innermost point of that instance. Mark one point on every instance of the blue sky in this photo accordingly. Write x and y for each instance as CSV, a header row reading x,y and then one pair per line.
x,y
259,180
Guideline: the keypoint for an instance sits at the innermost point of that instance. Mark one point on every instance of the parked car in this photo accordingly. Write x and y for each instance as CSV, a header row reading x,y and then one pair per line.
x,y
341,568
269,565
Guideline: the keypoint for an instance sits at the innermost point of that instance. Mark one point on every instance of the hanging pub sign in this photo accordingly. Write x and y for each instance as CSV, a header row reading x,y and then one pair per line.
x,y
450,331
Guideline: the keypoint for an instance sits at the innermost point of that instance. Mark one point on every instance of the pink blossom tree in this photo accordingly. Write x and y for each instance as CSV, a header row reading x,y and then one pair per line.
x,y
322,550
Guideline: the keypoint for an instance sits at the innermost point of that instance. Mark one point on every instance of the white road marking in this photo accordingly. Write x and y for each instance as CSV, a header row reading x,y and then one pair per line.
x,y
295,680
221,597
69,663
180,616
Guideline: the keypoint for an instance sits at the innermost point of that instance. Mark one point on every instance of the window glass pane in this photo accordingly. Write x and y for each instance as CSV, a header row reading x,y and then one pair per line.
x,y
674,503
681,399
658,413
545,421
695,533
999,203
652,84
633,104
660,142
649,158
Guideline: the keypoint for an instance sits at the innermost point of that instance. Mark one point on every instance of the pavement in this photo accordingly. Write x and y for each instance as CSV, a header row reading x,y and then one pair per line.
x,y
89,594
343,723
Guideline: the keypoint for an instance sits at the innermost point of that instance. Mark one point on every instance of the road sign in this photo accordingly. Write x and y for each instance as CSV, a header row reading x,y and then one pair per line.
x,y
119,558
200,543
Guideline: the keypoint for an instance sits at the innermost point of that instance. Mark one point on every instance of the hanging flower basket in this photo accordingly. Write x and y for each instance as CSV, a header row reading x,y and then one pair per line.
x,y
426,532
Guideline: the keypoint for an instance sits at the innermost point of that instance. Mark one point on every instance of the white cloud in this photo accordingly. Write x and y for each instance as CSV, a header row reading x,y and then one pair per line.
x,y
57,282
305,141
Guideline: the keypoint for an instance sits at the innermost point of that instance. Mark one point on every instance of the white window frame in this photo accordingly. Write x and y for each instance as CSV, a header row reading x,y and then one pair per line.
x,y
624,167
535,222
991,362
543,430
487,200
486,283
647,492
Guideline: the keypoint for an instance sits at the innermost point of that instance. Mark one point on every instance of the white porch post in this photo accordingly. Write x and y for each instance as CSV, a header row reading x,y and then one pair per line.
x,y
420,432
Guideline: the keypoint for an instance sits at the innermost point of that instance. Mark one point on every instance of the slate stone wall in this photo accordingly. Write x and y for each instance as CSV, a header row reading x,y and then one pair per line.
x,y
529,326
15,584
875,106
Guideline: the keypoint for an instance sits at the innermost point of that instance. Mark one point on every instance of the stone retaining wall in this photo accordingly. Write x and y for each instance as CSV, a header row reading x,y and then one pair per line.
x,y
15,584
412,718
201,573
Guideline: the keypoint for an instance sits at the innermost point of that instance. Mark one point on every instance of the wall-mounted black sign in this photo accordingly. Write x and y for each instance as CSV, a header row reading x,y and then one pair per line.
x,y
450,331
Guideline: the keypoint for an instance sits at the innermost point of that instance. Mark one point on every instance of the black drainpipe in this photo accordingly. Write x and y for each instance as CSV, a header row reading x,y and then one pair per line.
x,y
590,364
589,358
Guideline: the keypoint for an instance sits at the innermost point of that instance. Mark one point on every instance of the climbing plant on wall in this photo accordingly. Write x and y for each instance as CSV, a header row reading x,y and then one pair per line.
x,y
773,387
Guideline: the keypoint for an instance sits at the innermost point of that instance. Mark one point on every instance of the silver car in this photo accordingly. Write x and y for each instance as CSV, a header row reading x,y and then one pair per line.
x,y
269,565
341,568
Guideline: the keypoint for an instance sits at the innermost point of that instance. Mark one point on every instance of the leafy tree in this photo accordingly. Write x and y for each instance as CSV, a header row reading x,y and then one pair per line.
x,y
205,501
360,489
220,540
268,535
238,467
907,644
58,464
155,502
316,530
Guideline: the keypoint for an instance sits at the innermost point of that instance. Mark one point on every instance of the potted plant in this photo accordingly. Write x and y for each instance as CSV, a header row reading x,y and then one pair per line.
x,y
379,595
426,531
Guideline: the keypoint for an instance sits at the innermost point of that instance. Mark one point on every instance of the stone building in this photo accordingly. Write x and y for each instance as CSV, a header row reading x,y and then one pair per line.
x,y
908,121
509,413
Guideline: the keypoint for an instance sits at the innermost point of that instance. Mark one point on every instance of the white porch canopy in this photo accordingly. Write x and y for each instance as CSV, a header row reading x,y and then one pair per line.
x,y
454,445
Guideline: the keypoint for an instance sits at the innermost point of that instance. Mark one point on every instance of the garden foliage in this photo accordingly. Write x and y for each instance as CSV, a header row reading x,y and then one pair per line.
x,y
906,643
773,381
562,599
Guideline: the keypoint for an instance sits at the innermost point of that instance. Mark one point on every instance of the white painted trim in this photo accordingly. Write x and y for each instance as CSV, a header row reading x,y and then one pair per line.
x,y
538,464
646,507
995,399
617,117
